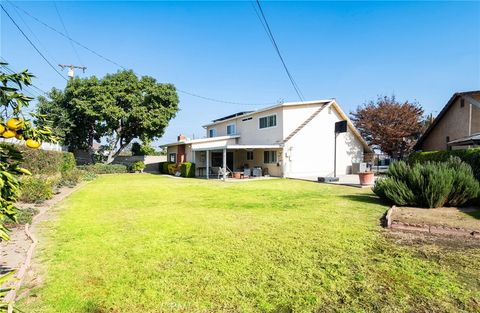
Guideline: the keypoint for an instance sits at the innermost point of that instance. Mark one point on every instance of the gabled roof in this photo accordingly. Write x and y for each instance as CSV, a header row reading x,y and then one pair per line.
x,y
231,116
442,114
285,104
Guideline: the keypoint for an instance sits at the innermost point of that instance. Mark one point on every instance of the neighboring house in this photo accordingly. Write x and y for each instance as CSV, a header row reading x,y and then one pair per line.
x,y
286,140
458,121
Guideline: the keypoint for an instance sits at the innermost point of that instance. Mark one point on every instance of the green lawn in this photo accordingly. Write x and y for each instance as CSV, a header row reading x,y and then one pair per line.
x,y
146,243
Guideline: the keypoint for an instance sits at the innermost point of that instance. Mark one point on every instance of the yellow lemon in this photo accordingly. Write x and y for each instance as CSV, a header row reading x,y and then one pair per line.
x,y
34,144
2,129
15,123
9,133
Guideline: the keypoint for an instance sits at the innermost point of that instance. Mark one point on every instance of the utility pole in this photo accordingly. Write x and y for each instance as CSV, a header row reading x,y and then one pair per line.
x,y
71,69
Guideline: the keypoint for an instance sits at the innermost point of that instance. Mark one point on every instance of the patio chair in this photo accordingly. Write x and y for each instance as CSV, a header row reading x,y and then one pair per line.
x,y
227,172
247,172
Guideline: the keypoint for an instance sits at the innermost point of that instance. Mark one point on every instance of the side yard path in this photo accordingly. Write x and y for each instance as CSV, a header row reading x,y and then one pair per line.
x,y
146,243
16,253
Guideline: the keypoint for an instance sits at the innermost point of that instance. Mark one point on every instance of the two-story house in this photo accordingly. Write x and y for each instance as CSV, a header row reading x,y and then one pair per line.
x,y
457,125
294,139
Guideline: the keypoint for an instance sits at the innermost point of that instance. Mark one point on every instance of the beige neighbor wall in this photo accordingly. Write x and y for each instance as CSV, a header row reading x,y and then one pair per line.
x,y
311,151
249,130
455,124
152,162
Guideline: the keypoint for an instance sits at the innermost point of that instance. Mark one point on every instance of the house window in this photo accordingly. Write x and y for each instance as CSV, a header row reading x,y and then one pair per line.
x,y
268,121
447,139
249,155
462,103
212,132
269,157
231,129
172,157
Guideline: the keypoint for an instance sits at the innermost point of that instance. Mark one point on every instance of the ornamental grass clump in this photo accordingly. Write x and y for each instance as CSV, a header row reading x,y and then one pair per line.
x,y
429,184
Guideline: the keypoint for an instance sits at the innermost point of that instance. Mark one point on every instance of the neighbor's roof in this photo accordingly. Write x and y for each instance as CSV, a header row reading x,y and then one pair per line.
x,y
466,141
442,114
285,104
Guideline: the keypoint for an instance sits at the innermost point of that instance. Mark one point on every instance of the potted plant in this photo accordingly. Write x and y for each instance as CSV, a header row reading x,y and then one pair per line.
x,y
367,178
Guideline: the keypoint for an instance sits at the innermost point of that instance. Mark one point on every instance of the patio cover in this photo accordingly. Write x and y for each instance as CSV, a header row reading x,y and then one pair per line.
x,y
472,140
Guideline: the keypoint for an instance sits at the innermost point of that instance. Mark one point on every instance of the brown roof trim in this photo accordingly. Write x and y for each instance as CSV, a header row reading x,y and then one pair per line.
x,y
441,115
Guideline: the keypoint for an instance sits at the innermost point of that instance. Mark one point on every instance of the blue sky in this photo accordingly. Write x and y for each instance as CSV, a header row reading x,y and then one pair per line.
x,y
351,51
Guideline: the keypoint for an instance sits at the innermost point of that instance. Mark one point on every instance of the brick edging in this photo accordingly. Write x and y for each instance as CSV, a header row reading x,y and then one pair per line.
x,y
425,228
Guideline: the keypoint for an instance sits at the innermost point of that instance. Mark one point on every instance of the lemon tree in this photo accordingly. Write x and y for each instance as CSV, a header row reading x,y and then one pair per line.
x,y
15,124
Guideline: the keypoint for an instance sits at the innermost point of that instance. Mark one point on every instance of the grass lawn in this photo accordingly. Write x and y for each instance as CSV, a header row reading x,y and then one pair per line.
x,y
146,243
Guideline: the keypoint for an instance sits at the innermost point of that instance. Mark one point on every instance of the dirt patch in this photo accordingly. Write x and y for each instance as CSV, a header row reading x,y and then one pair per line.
x,y
465,218
15,252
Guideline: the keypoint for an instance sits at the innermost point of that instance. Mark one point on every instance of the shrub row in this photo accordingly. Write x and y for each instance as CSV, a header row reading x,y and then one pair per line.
x,y
186,169
429,184
100,168
469,156
43,162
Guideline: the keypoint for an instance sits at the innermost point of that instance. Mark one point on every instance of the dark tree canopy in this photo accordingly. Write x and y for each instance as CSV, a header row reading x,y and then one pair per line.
x,y
119,107
389,125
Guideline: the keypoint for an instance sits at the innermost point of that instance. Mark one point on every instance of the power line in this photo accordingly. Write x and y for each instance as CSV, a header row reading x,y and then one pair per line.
x,y
267,28
125,68
66,32
33,34
33,45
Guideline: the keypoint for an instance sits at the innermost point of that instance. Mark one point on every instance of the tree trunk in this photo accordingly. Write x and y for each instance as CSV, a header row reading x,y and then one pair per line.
x,y
112,157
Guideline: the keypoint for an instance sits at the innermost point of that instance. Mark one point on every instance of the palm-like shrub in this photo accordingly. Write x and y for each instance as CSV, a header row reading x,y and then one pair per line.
x,y
429,184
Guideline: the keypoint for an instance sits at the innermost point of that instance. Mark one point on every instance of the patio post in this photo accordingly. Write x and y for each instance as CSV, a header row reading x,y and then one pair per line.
x,y
208,164
224,163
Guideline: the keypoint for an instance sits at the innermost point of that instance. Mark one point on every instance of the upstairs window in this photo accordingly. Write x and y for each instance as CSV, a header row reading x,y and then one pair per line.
x,y
269,157
212,132
231,129
249,155
268,121
462,103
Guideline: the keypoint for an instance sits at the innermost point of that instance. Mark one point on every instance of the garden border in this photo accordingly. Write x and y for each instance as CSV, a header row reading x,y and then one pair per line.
x,y
425,228
19,275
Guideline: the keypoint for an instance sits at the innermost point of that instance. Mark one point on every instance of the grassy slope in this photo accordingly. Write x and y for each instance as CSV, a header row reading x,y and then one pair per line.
x,y
145,243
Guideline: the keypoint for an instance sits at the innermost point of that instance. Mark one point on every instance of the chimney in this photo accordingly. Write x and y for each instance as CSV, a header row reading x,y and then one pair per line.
x,y
181,137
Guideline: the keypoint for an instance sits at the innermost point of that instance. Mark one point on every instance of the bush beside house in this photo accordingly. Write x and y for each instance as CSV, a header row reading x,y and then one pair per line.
x,y
187,169
469,156
429,184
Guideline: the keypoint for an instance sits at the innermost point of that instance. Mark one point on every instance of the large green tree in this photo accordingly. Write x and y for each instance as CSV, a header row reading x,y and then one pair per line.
x,y
118,108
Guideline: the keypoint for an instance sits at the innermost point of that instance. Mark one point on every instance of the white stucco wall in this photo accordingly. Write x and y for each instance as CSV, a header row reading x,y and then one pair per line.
x,y
250,132
311,151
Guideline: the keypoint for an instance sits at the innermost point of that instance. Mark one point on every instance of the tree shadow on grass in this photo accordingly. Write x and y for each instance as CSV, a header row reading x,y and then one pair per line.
x,y
371,199
472,211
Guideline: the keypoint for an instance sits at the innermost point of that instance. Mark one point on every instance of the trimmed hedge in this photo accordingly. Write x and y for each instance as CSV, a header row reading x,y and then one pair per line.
x,y
163,167
69,162
187,169
469,156
429,184
100,168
